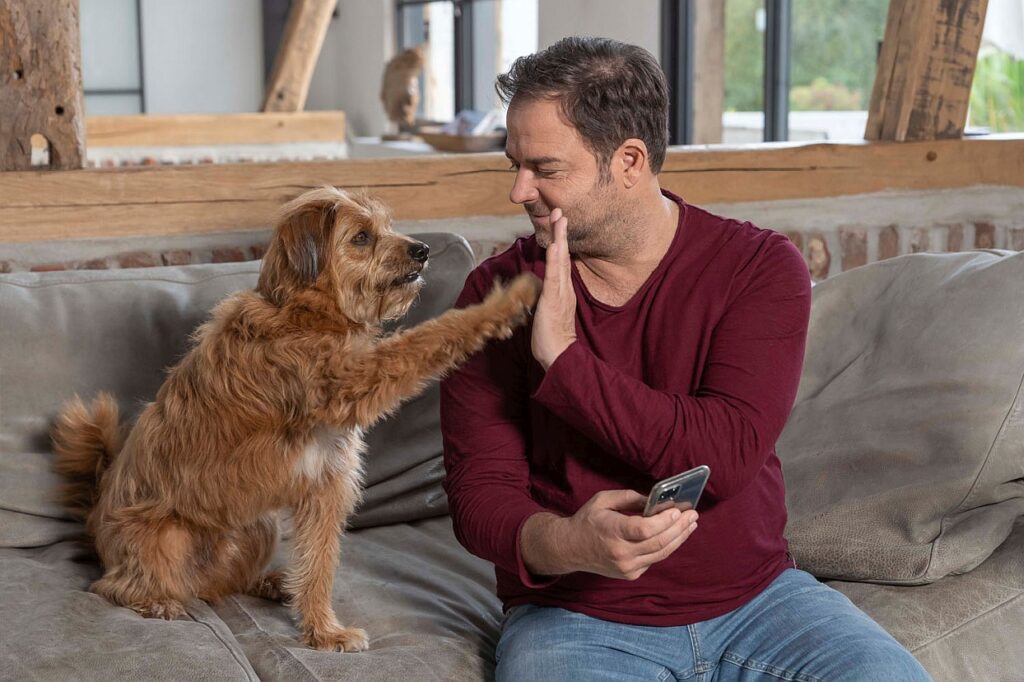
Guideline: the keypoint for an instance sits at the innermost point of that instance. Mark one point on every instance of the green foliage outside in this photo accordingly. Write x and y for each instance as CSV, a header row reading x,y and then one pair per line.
x,y
832,63
997,95
833,59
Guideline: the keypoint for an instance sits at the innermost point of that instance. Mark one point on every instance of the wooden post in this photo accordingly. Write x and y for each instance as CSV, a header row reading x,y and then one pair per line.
x,y
41,83
925,69
296,57
709,71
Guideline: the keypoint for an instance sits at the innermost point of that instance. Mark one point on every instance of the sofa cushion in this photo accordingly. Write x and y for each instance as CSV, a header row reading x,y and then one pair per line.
x,y
963,627
81,332
428,606
52,628
904,454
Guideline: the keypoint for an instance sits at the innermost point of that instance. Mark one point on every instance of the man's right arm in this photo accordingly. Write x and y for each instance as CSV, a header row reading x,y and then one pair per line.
x,y
483,422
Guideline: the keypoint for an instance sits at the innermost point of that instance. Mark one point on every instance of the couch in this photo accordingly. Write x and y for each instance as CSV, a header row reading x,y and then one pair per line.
x,y
903,461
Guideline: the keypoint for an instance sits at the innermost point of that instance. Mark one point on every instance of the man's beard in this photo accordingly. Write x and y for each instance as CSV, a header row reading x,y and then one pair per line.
x,y
590,227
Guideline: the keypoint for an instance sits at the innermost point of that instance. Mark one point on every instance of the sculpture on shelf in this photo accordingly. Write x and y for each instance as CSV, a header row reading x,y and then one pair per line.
x,y
400,88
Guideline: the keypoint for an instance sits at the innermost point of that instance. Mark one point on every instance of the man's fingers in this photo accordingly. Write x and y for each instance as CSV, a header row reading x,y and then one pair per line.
x,y
663,543
641,529
620,500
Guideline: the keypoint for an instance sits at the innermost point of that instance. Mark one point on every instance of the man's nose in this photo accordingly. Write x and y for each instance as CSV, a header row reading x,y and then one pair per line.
x,y
522,189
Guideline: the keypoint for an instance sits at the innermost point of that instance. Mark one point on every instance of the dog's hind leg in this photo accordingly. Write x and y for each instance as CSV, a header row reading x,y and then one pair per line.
x,y
375,383
319,517
236,560
153,576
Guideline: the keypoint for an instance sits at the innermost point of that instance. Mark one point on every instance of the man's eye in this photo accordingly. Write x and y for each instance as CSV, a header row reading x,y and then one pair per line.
x,y
361,239
514,167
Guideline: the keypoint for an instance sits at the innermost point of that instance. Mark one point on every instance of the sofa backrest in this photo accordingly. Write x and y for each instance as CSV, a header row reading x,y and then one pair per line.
x,y
904,455
83,331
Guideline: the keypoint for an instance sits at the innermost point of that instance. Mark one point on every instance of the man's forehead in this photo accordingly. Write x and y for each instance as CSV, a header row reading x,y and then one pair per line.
x,y
536,133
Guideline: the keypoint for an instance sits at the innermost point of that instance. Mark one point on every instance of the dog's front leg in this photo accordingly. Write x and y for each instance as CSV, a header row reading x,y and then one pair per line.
x,y
375,383
319,517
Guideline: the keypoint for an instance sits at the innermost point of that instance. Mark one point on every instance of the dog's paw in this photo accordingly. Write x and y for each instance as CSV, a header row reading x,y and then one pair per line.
x,y
341,639
168,609
269,586
509,306
525,290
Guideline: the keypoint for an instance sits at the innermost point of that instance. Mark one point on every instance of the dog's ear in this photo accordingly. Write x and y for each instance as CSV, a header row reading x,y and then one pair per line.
x,y
305,236
300,248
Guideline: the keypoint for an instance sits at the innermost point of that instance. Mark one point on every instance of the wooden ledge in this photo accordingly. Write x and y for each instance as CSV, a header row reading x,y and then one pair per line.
x,y
165,200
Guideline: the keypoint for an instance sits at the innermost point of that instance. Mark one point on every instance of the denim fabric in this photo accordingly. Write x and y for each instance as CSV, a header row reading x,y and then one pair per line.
x,y
796,629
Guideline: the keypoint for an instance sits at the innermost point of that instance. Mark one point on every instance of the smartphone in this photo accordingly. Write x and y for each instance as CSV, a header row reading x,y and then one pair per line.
x,y
681,491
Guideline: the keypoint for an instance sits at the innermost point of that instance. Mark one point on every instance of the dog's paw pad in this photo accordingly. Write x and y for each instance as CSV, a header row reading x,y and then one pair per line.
x,y
345,639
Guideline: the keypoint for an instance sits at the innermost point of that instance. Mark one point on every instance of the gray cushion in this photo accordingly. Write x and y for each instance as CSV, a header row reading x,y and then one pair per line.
x,y
963,627
904,454
81,332
428,605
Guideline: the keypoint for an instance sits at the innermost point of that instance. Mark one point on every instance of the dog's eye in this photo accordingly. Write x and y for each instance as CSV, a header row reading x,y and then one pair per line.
x,y
361,239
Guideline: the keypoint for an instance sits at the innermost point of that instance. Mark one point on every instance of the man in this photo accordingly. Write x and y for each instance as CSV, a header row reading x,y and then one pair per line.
x,y
665,338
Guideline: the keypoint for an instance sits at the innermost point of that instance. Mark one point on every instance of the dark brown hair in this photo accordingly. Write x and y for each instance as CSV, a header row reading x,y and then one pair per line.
x,y
609,91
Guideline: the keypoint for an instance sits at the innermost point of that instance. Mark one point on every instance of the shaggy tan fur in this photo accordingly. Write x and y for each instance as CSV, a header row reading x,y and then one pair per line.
x,y
266,412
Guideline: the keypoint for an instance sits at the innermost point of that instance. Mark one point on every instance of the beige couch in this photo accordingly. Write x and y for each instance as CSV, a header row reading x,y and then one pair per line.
x,y
903,461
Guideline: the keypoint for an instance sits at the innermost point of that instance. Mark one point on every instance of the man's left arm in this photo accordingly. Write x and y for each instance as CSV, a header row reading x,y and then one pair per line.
x,y
747,389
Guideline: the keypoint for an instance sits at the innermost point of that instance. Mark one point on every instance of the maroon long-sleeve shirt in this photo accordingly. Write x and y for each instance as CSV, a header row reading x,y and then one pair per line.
x,y
700,366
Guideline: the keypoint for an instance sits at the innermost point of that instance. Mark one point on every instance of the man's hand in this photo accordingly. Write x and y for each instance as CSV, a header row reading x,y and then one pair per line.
x,y
600,539
554,323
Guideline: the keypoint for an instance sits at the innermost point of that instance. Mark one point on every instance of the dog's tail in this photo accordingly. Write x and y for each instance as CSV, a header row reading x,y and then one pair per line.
x,y
85,440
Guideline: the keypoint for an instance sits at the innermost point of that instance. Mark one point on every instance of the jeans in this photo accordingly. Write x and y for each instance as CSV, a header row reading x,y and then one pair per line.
x,y
796,629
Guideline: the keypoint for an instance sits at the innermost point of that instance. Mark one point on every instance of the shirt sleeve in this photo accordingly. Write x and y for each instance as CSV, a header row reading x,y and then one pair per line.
x,y
747,389
483,426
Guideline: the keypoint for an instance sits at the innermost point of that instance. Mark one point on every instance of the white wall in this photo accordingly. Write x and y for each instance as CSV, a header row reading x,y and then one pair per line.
x,y
202,55
636,21
358,44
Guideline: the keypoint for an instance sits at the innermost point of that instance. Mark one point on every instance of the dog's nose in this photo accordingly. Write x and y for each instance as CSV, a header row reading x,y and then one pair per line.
x,y
419,251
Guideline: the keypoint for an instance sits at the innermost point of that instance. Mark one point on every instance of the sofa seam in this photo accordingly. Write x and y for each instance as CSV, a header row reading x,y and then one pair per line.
x,y
255,623
949,633
231,650
974,484
108,280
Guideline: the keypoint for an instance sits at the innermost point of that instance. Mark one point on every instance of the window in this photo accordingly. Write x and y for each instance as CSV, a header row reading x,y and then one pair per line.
x,y
997,92
112,56
469,43
793,69
834,54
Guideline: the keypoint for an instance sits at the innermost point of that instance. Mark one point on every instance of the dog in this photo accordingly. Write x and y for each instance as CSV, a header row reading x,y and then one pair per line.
x,y
265,413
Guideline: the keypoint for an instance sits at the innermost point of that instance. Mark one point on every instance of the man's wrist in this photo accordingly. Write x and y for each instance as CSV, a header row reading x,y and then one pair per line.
x,y
545,545
546,363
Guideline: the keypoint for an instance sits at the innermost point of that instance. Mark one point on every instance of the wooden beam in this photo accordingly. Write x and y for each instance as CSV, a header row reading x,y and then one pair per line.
x,y
164,200
149,130
40,83
709,71
296,57
925,70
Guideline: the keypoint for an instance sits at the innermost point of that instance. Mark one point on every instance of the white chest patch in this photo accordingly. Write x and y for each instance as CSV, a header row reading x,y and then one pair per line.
x,y
331,451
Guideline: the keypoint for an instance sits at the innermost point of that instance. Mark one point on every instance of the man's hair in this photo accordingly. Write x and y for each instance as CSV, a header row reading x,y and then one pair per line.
x,y
609,91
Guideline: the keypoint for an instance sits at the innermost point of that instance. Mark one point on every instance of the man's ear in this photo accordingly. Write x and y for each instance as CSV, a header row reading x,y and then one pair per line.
x,y
633,160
